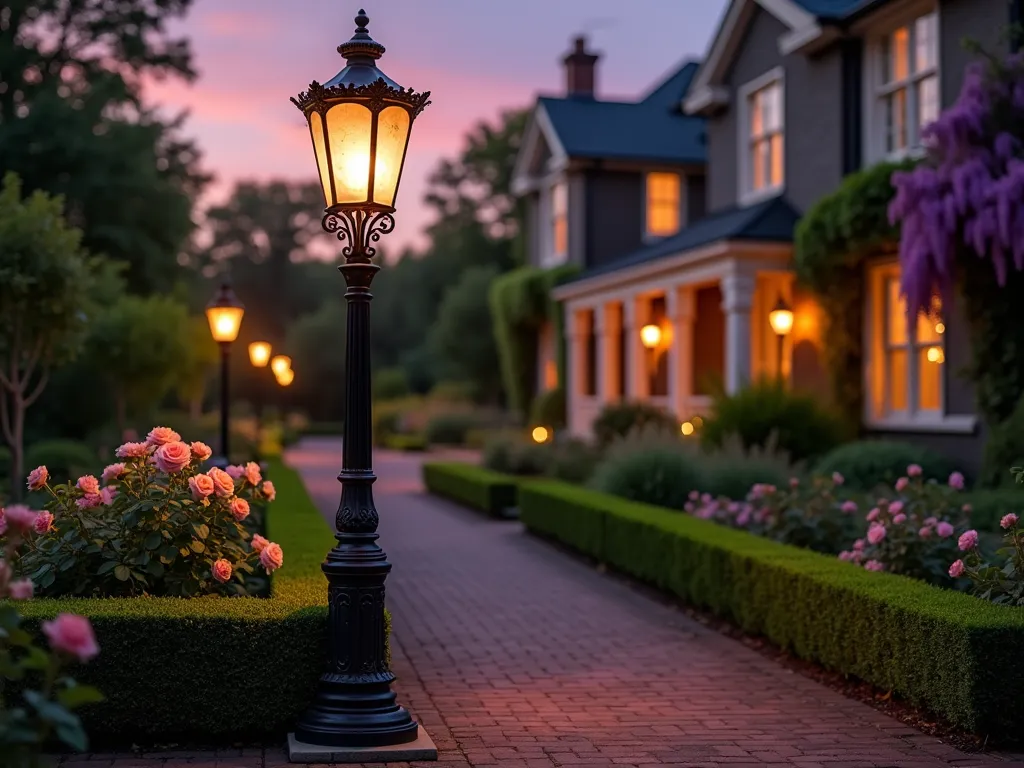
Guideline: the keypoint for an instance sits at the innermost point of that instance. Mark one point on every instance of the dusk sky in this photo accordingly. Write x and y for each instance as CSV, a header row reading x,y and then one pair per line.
x,y
477,57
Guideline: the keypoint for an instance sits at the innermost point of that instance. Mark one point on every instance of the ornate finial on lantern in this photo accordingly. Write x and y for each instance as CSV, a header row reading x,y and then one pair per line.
x,y
362,48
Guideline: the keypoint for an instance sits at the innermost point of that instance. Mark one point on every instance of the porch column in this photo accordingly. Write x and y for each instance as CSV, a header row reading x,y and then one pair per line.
x,y
680,377
737,300
634,383
598,328
611,329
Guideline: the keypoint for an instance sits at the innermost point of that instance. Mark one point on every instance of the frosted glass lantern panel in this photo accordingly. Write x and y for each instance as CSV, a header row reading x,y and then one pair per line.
x,y
348,134
392,134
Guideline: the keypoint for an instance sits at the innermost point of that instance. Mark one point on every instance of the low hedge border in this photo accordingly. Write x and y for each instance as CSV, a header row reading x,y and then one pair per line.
x,y
406,443
951,653
206,670
476,487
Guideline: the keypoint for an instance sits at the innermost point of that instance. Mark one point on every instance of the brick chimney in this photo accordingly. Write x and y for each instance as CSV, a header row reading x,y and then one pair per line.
x,y
580,68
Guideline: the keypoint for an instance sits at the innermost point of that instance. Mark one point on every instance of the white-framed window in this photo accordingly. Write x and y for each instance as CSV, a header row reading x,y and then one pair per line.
x,y
902,80
762,147
662,204
560,221
905,361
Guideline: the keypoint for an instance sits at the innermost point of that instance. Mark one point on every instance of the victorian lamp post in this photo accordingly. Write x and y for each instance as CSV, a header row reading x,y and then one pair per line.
x,y
781,321
359,122
224,313
259,356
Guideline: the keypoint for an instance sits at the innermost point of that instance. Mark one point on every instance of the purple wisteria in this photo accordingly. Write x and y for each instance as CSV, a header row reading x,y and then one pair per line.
x,y
970,191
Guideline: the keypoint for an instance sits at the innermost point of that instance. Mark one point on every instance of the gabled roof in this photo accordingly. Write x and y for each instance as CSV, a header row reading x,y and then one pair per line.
x,y
771,220
833,9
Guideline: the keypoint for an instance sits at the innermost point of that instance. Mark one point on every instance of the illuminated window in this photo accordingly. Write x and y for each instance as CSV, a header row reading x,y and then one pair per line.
x,y
560,219
765,159
662,204
907,360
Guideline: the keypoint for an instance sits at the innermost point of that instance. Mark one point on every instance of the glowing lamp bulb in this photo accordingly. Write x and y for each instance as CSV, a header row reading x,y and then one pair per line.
x,y
936,355
280,364
540,434
686,428
259,354
650,336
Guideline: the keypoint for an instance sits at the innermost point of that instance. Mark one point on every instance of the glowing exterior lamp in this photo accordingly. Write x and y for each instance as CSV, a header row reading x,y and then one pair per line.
x,y
540,434
686,428
224,314
781,318
286,377
650,335
280,364
259,354
935,355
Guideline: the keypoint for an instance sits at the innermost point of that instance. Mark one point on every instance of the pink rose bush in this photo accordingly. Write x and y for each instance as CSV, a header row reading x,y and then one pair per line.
x,y
157,523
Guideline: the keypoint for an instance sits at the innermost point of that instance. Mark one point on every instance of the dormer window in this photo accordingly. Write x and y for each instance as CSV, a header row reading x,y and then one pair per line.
x,y
560,221
762,158
662,204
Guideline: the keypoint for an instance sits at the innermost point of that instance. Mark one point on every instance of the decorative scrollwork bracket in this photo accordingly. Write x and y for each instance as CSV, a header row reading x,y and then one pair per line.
x,y
358,230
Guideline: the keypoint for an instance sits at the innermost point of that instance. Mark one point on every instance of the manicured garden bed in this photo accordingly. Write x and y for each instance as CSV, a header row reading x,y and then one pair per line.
x,y
946,651
489,492
212,669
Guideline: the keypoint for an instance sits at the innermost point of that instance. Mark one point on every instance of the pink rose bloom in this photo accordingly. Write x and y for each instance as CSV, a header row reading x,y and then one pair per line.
x,y
223,483
20,518
37,478
72,635
201,451
108,494
945,530
252,473
849,507
876,533
968,540
743,518
914,470
271,557
966,509
896,507
88,485
89,501
3,527
846,556
1008,521
956,570
899,519
21,589
688,507
873,515
43,523
858,544
956,481
901,484
258,543
132,451
162,435
172,457
239,509
925,532
794,482
932,521
838,479
221,570
112,472
693,495
874,565
268,490
706,498
235,471
201,486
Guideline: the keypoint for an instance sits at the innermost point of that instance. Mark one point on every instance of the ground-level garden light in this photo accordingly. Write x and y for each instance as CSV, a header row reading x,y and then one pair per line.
x,y
224,313
359,123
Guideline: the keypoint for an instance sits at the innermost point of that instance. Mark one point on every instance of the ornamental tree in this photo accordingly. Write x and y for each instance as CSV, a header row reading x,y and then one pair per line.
x,y
45,283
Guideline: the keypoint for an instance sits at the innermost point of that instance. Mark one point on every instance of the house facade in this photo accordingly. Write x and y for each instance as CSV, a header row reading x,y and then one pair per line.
x,y
792,95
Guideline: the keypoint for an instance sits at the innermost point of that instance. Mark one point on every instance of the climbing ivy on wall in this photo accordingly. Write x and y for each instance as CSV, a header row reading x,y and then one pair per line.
x,y
521,304
832,242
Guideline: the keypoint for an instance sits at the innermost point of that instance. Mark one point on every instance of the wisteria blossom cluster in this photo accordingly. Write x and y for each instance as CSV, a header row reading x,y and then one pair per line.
x,y
970,190
28,714
913,533
155,523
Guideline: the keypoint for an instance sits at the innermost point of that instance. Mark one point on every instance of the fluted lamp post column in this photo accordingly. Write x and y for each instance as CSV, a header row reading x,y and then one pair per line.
x,y
359,122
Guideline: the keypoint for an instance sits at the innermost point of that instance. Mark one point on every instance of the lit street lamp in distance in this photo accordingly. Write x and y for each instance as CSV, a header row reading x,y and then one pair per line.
x,y
224,314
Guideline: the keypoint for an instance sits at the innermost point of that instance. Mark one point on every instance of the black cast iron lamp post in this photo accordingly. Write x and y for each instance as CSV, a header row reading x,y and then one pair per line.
x,y
224,313
259,356
359,122
781,321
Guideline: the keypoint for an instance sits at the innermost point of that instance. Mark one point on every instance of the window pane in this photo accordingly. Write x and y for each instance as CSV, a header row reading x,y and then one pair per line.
x,y
929,379
897,56
928,329
897,374
896,314
925,42
759,164
776,160
773,121
896,119
927,100
756,116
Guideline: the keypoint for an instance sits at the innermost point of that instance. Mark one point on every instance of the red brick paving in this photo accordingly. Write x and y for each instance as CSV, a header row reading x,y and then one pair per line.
x,y
513,655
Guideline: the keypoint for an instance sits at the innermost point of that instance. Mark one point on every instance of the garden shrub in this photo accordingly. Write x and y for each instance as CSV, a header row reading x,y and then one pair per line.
x,y
514,454
989,506
618,420
390,384
450,428
1004,448
659,474
732,470
549,409
572,460
866,464
946,651
476,487
801,426
64,458
411,443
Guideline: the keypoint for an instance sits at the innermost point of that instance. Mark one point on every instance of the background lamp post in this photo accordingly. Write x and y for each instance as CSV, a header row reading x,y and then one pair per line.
x,y
781,321
259,356
224,313
280,364
359,122
286,377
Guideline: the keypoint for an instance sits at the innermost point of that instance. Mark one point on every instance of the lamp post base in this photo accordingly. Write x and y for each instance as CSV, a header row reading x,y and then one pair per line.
x,y
420,748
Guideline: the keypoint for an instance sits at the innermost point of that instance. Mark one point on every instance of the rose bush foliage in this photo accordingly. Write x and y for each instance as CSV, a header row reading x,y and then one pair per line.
x,y
155,523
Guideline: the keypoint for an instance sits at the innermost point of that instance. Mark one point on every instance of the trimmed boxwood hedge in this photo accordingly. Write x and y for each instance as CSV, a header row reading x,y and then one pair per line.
x,y
951,653
476,487
212,669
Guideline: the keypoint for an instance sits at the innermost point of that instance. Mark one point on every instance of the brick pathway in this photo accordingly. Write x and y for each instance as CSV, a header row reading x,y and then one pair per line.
x,y
514,655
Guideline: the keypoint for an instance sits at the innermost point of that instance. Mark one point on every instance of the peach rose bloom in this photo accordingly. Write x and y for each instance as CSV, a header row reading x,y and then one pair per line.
x,y
221,570
271,557
252,473
268,490
89,501
223,484
235,471
37,478
258,543
161,436
112,472
132,451
43,522
201,451
20,518
21,589
201,486
72,635
88,484
239,509
172,457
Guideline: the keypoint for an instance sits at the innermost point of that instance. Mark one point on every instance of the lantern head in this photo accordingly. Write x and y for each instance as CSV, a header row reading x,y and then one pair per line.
x,y
781,318
224,313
